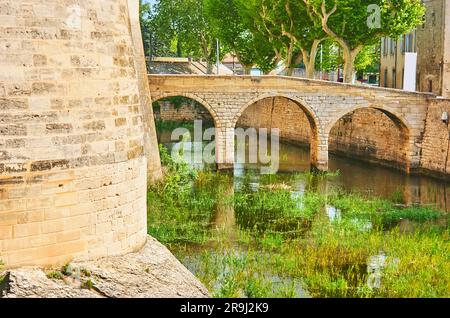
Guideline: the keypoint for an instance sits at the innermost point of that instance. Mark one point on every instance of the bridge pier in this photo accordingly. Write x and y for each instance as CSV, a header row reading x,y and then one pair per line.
x,y
225,148
319,153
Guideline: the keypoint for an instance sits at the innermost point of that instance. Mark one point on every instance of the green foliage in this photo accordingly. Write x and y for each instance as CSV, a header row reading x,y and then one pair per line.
x,y
285,245
349,21
177,102
288,27
67,269
350,24
368,60
88,284
263,32
380,213
181,207
165,125
276,212
158,31
57,275
180,28
230,28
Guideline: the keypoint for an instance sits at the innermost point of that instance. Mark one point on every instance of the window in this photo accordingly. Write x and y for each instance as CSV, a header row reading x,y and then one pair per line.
x,y
385,45
386,77
409,41
394,78
392,46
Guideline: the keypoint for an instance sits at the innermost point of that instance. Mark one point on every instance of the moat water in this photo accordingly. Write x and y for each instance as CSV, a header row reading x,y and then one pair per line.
x,y
354,175
370,180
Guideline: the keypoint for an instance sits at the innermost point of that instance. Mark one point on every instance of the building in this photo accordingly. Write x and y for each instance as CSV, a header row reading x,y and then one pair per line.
x,y
431,42
393,59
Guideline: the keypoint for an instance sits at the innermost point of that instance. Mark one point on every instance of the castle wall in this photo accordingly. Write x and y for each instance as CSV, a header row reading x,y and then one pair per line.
x,y
73,170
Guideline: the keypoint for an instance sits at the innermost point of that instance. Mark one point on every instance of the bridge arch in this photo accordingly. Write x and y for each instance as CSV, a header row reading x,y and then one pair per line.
x,y
302,104
350,133
205,104
319,153
397,118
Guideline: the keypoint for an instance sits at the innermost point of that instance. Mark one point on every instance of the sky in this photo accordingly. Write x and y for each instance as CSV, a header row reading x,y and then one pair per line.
x,y
150,1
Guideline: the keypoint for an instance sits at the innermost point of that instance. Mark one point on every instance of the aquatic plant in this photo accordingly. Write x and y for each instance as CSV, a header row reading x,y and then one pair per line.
x,y
285,245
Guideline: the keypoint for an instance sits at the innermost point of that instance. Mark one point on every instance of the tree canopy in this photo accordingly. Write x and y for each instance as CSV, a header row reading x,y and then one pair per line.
x,y
265,32
355,24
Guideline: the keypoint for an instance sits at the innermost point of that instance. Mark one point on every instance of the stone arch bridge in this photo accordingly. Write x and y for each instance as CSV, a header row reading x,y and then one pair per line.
x,y
324,103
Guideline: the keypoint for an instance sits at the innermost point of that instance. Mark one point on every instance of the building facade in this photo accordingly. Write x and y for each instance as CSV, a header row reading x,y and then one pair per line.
x,y
431,42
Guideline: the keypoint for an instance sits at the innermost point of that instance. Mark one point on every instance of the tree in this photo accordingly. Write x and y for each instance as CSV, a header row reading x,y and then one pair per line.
x,y
160,29
367,61
354,24
304,30
196,32
179,28
288,25
229,26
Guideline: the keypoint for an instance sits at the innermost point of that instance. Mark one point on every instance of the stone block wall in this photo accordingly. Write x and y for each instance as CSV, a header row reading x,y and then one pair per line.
x,y
370,135
73,173
281,113
436,141
186,112
366,134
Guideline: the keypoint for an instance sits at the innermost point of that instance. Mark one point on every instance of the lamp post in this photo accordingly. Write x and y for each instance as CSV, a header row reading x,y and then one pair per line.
x,y
218,56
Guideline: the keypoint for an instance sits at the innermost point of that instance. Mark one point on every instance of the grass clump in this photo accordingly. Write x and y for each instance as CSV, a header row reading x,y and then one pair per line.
x,y
182,206
56,275
88,284
1,267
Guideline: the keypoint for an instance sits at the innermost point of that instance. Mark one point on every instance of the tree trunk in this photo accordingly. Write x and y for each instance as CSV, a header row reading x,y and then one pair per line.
x,y
310,69
289,71
209,68
309,59
247,70
349,64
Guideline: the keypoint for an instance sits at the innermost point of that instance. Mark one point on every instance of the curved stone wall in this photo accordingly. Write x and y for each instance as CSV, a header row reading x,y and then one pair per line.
x,y
73,172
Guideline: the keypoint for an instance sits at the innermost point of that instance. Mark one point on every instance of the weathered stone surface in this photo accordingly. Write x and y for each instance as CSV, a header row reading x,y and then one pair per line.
x,y
153,272
324,103
64,105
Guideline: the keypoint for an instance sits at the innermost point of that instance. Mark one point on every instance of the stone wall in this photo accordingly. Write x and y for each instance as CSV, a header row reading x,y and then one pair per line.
x,y
430,49
281,113
436,142
370,135
150,139
185,112
72,164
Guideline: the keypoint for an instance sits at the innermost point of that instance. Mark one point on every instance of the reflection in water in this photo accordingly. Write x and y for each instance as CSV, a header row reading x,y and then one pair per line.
x,y
224,218
354,175
333,213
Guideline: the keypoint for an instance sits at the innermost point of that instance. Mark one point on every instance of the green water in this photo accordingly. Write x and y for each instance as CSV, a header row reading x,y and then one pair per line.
x,y
365,231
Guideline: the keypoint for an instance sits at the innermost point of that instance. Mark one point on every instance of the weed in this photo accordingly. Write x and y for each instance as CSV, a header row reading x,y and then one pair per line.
x,y
57,275
88,284
283,244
